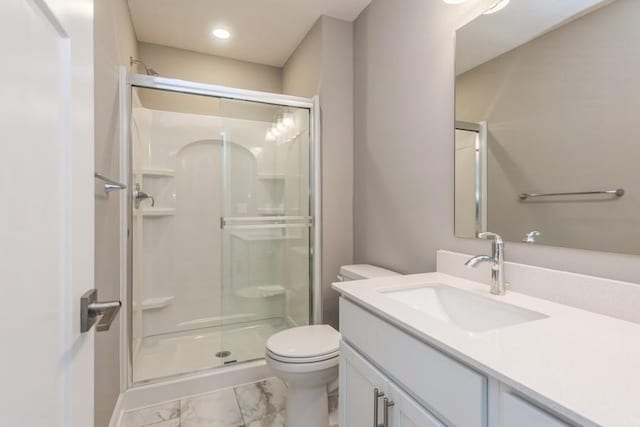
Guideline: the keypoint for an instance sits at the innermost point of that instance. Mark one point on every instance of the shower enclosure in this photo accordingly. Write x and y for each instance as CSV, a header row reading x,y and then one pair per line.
x,y
222,243
470,190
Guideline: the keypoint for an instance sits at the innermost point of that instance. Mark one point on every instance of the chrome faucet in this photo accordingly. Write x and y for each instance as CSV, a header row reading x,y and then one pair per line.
x,y
530,237
139,196
498,286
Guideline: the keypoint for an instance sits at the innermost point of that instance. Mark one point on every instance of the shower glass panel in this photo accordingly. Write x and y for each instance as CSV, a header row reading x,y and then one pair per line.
x,y
266,224
219,230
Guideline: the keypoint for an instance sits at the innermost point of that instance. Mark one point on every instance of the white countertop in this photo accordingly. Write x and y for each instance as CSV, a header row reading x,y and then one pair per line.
x,y
580,364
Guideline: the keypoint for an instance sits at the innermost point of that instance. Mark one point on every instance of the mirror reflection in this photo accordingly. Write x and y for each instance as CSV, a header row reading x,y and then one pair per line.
x,y
545,151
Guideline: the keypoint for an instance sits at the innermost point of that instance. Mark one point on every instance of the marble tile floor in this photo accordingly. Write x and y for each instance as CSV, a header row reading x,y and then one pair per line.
x,y
261,404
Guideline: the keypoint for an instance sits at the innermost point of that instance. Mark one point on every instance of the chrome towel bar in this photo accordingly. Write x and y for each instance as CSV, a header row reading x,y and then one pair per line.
x,y
109,184
618,193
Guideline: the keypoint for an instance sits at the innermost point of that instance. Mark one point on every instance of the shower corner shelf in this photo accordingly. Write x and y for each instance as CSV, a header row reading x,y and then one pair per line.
x,y
155,212
260,291
156,172
156,303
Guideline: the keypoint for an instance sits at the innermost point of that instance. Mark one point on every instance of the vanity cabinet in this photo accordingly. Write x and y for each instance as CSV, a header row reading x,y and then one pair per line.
x,y
427,387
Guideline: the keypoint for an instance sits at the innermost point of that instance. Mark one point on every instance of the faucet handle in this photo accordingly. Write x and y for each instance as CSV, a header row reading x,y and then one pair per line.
x,y
530,237
491,236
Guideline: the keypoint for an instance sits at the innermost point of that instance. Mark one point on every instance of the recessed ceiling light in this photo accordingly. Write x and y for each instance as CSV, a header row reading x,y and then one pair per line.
x,y
221,33
497,6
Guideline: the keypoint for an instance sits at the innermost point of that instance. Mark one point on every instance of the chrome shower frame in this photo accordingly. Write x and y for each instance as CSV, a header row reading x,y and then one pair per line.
x,y
480,175
128,81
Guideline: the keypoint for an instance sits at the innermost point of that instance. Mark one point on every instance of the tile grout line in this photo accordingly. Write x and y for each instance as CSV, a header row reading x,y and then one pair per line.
x,y
235,393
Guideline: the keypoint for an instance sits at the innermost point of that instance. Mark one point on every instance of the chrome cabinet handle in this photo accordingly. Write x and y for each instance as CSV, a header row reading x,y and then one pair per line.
x,y
385,411
377,394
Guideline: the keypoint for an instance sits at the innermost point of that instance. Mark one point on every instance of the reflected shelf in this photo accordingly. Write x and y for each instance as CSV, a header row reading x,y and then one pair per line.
x,y
155,212
271,177
157,303
156,172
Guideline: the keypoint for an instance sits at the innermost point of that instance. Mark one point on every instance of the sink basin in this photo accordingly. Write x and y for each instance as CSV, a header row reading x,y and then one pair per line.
x,y
465,310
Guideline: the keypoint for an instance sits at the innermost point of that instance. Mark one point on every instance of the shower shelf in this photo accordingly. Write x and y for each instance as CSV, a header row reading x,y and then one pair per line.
x,y
156,303
155,212
271,211
156,172
260,291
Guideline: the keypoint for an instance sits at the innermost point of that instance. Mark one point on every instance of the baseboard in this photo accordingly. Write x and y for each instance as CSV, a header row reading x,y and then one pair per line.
x,y
141,396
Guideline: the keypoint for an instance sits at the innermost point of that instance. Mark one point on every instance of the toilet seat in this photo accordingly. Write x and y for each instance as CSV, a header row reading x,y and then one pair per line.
x,y
304,368
304,344
314,359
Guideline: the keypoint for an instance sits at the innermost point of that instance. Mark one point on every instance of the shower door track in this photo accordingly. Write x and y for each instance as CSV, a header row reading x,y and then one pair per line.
x,y
130,80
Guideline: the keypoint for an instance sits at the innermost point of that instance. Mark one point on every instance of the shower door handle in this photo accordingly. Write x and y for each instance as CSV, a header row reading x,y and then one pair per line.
x,y
261,222
91,309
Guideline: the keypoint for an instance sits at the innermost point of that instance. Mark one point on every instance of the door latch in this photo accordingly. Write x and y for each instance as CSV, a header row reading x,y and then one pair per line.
x,y
91,309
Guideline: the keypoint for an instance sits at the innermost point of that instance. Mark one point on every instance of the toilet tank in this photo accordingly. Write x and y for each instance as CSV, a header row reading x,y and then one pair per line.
x,y
363,271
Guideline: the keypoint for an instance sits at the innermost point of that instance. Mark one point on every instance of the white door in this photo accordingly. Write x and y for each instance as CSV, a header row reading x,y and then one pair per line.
x,y
46,221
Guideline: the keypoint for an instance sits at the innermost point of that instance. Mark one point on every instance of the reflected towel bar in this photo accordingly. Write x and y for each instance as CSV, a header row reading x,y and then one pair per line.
x,y
618,193
109,184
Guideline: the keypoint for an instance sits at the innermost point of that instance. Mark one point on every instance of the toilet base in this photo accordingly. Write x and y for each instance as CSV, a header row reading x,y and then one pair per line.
x,y
307,407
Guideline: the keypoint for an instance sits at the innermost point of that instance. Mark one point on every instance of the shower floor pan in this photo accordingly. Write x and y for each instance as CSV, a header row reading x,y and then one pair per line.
x,y
190,351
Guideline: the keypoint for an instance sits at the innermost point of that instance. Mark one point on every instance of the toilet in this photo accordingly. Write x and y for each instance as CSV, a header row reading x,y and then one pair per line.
x,y
306,359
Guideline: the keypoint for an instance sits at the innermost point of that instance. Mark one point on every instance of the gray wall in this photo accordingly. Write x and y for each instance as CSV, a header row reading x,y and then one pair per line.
x,y
198,67
302,72
323,64
404,120
558,109
114,42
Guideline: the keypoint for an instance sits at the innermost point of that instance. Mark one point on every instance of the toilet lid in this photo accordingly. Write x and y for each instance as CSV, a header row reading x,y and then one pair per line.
x,y
305,342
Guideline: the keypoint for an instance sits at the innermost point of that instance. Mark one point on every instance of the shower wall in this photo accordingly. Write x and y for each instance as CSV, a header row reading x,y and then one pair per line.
x,y
465,183
188,273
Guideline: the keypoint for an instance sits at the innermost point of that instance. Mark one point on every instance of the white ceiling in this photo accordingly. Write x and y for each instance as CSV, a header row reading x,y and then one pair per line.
x,y
521,21
262,31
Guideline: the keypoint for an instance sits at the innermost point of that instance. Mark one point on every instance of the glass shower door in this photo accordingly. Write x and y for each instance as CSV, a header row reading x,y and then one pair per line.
x,y
266,224
176,311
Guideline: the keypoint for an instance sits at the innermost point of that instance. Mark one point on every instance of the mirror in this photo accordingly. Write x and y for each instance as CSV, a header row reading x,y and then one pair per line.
x,y
546,152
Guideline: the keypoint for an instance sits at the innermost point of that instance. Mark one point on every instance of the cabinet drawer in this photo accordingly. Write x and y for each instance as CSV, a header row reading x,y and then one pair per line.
x,y
454,392
517,412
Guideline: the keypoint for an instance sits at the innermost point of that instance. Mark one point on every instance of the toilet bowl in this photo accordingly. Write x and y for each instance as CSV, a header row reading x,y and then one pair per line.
x,y
306,358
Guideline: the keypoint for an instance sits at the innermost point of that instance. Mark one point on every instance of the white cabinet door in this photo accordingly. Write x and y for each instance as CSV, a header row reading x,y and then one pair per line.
x,y
358,382
406,412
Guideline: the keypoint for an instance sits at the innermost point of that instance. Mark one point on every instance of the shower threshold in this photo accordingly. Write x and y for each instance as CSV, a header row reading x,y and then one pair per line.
x,y
184,352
